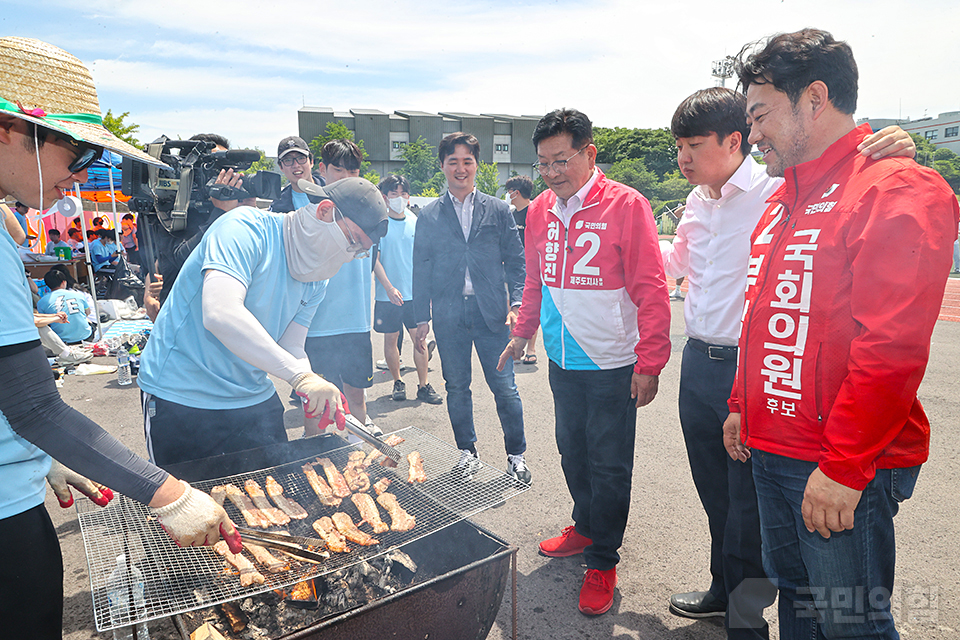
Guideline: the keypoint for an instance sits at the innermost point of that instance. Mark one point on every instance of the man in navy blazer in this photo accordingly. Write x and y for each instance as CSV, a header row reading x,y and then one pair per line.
x,y
468,262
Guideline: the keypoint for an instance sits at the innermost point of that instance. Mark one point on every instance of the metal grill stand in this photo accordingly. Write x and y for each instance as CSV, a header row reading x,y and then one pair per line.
x,y
185,579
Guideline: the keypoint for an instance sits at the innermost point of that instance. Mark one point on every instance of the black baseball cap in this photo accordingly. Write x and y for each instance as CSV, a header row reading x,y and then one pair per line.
x,y
292,143
356,198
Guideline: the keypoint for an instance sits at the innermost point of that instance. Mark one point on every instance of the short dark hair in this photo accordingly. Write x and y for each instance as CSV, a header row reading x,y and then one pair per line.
x,y
97,220
716,110
50,232
449,145
73,231
342,153
561,121
20,205
109,234
53,279
127,216
394,182
215,138
92,232
523,184
791,62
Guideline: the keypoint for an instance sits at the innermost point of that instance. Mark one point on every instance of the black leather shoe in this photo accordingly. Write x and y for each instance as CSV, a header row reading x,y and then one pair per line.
x,y
697,604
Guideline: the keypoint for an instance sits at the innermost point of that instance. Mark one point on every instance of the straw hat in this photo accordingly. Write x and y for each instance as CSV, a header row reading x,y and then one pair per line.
x,y
44,84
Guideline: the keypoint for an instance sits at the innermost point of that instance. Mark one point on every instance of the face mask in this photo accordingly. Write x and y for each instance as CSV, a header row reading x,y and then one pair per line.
x,y
508,198
315,249
398,204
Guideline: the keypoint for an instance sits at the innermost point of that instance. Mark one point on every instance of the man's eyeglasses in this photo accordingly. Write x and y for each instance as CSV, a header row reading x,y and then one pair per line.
x,y
86,153
296,158
557,166
359,252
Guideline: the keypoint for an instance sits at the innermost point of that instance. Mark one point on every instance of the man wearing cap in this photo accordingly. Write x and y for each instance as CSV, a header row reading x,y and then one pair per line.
x,y
296,164
240,310
50,132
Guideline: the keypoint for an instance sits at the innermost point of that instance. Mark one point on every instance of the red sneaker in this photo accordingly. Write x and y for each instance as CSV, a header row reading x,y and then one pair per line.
x,y
568,543
596,594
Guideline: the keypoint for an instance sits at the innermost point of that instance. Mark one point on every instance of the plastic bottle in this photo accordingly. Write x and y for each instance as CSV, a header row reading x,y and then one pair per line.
x,y
123,368
123,583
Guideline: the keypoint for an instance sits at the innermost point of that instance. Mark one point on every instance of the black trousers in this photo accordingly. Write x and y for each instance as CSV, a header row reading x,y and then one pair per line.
x,y
31,577
596,423
727,494
176,433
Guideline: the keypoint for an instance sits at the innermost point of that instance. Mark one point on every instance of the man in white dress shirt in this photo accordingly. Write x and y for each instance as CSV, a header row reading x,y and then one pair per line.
x,y
712,249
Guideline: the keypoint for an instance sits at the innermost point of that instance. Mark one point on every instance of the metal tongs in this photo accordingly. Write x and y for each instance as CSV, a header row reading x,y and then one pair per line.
x,y
356,428
294,546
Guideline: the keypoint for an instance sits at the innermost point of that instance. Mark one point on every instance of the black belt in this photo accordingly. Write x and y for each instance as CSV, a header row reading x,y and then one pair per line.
x,y
713,351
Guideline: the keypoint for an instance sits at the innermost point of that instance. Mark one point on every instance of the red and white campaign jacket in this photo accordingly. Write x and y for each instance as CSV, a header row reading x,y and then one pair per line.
x,y
846,277
597,288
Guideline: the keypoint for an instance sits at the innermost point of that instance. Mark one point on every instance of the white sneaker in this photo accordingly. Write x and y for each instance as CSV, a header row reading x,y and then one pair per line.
x,y
74,356
676,295
517,467
382,365
469,464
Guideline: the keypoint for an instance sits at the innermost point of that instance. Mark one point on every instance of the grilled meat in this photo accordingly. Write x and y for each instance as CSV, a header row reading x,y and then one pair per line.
x,y
337,483
328,531
249,512
416,472
248,573
274,515
400,520
369,512
349,530
320,487
288,505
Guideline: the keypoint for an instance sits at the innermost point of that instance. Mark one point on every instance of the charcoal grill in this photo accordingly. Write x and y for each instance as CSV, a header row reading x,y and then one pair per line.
x,y
178,580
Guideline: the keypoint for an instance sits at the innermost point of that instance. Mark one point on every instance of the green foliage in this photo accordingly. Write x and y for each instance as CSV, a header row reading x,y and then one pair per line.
x,y
633,173
429,192
942,160
336,130
656,147
488,178
436,184
263,164
421,166
123,130
673,187
372,176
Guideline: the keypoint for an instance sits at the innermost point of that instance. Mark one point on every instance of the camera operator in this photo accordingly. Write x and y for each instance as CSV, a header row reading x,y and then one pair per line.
x,y
173,249
260,276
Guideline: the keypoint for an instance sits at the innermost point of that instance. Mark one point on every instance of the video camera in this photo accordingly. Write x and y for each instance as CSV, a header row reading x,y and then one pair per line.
x,y
185,189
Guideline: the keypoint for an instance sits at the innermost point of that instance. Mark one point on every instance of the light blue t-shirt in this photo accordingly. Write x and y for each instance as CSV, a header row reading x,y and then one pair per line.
x,y
74,304
53,246
16,303
99,255
22,219
396,256
346,305
23,466
300,199
183,362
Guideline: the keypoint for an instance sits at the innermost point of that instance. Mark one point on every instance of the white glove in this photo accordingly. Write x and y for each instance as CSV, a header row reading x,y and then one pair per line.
x,y
317,393
195,520
60,478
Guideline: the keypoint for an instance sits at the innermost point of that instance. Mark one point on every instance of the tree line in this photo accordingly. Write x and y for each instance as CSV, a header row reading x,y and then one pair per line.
x,y
644,159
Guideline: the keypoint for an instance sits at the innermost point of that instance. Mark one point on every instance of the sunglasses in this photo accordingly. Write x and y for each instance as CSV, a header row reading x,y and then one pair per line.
x,y
85,153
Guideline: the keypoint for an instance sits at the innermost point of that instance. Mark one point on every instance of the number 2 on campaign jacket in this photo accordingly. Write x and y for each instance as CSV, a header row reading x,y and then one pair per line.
x,y
597,288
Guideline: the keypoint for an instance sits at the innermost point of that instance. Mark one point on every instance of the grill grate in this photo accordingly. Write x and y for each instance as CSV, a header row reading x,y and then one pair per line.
x,y
178,580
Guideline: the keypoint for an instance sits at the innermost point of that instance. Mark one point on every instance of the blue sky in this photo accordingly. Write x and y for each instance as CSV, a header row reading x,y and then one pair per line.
x,y
243,68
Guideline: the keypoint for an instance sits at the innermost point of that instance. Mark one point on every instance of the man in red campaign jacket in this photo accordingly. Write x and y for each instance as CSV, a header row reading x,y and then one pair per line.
x,y
595,284
846,277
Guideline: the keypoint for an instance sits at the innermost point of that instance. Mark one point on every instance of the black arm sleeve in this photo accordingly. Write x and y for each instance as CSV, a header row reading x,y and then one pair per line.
x,y
31,403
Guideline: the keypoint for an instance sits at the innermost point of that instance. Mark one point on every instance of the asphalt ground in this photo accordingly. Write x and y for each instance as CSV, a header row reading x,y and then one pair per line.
x,y
666,546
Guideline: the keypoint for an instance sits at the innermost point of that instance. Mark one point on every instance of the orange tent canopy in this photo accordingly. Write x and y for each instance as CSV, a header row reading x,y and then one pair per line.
x,y
103,196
